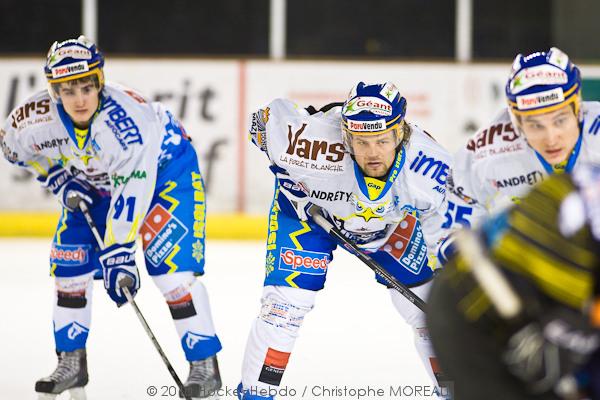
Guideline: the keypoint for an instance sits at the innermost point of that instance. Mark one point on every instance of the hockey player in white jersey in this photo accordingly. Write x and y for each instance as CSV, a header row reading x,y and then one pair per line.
x,y
135,167
545,129
378,178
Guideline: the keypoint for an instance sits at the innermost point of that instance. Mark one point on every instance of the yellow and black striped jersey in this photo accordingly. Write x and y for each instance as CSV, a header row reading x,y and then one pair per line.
x,y
547,246
533,246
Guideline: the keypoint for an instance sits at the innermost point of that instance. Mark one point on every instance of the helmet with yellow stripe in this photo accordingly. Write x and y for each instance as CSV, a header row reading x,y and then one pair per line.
x,y
543,82
73,59
372,110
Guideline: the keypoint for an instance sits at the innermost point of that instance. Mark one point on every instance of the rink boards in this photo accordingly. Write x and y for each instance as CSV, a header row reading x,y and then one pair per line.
x,y
213,99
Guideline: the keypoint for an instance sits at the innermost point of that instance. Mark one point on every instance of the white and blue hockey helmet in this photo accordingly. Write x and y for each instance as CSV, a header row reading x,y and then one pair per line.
x,y
73,59
543,82
373,109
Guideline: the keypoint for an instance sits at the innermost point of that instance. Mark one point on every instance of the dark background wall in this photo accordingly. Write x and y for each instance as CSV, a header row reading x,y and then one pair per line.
x,y
576,27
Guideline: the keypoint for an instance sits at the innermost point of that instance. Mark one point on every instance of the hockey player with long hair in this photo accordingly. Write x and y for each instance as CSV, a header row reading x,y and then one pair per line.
x,y
133,165
376,177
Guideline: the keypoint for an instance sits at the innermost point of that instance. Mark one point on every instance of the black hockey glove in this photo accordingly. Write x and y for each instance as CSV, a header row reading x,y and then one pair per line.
x,y
545,350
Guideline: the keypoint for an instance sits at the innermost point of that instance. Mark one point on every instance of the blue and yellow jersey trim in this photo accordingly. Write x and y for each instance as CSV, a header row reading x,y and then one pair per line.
x,y
79,136
377,193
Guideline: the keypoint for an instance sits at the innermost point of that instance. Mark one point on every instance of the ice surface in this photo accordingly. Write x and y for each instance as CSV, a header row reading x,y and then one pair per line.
x,y
353,339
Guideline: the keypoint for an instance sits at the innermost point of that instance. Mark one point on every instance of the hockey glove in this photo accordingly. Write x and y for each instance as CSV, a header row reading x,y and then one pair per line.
x,y
119,269
446,249
544,351
294,192
68,189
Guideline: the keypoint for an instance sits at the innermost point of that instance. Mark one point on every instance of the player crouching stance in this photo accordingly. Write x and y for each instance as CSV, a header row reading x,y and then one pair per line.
x,y
516,311
378,178
134,166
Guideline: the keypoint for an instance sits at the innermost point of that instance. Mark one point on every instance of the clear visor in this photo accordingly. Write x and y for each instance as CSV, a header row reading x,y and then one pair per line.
x,y
365,144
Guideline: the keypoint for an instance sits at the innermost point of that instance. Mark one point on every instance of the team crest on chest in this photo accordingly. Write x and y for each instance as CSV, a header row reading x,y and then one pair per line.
x,y
369,210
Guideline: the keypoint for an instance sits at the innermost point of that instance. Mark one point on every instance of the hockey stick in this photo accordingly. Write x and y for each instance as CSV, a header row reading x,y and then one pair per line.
x,y
124,287
315,212
494,284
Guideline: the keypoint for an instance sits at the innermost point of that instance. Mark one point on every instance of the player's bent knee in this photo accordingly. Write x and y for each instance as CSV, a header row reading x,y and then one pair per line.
x,y
284,307
409,312
170,283
72,292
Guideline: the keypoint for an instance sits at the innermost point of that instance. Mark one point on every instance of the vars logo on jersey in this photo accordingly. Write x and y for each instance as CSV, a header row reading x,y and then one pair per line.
x,y
311,149
317,154
32,109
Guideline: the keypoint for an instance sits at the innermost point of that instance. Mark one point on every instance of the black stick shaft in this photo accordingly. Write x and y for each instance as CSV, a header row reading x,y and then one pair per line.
x,y
88,217
162,354
331,229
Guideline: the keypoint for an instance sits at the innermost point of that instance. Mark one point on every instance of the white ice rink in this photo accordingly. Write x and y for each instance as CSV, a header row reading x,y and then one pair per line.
x,y
353,338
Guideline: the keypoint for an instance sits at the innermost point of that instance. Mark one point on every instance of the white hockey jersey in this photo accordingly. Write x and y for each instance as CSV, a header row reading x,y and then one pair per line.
x,y
310,160
497,167
128,139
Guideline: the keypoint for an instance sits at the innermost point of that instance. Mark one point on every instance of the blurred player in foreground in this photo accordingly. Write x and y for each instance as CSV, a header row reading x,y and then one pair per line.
x,y
136,170
515,314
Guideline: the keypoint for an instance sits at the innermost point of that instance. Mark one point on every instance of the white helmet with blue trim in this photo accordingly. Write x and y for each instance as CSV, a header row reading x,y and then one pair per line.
x,y
543,82
73,59
373,109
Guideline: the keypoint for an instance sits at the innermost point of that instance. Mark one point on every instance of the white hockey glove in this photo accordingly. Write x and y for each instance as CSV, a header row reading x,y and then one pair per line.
x,y
119,269
296,193
66,187
446,249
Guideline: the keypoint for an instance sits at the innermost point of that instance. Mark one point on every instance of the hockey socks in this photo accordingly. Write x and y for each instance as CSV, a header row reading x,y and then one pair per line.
x,y
72,312
272,338
188,303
